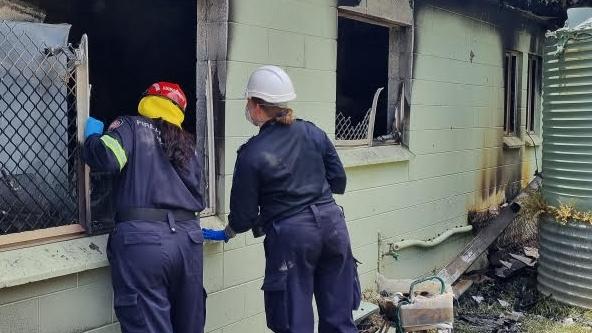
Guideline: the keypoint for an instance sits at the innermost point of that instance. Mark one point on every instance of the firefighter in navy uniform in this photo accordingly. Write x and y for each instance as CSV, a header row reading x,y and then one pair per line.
x,y
156,248
283,182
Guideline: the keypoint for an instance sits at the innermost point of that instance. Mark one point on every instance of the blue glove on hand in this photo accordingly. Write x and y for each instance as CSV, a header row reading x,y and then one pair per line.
x,y
93,126
216,235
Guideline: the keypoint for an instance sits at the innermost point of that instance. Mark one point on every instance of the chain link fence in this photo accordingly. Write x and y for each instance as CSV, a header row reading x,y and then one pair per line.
x,y
39,153
357,132
347,130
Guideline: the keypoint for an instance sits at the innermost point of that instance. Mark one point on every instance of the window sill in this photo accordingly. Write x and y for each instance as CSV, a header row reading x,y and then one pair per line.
x,y
47,261
42,262
362,156
533,140
513,142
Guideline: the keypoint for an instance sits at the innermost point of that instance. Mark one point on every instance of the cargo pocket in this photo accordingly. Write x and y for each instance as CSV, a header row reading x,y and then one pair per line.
x,y
276,301
129,314
357,299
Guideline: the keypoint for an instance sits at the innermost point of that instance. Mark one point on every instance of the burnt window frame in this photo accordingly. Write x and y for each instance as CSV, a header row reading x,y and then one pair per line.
x,y
511,92
62,13
533,91
386,92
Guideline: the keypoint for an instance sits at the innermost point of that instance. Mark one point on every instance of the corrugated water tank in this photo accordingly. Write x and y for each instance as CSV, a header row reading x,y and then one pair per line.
x,y
565,266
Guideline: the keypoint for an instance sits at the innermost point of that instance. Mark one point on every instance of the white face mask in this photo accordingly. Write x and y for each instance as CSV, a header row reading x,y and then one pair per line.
x,y
249,118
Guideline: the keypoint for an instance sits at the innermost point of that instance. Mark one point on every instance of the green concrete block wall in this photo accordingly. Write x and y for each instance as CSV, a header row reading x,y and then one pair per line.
x,y
299,36
455,133
69,304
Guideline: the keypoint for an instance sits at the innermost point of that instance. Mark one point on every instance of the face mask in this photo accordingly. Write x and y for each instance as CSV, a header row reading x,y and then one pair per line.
x,y
249,118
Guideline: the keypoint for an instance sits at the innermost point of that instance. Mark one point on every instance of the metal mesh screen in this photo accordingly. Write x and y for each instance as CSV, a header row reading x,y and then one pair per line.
x,y
360,131
38,129
348,130
102,202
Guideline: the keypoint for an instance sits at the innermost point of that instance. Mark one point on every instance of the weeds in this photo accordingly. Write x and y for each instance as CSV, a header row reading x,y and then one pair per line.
x,y
566,212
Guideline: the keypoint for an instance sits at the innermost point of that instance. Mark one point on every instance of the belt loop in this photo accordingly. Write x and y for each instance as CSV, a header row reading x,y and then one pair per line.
x,y
171,219
316,213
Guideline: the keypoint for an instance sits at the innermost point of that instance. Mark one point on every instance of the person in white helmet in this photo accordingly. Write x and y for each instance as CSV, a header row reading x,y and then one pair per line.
x,y
283,183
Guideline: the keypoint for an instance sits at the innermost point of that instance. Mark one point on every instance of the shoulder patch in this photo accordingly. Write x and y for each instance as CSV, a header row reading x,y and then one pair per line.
x,y
115,124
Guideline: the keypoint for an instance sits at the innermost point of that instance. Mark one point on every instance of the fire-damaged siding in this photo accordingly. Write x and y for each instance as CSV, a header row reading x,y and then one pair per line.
x,y
455,134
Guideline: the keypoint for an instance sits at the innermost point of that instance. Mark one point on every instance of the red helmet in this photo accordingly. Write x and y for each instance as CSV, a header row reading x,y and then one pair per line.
x,y
170,91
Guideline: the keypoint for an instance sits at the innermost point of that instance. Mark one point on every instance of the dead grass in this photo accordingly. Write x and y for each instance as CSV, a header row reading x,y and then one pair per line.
x,y
533,324
549,315
371,296
541,314
566,212
551,309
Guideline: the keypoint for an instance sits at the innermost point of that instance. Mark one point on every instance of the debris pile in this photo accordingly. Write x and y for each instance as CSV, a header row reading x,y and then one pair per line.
x,y
505,263
513,304
500,298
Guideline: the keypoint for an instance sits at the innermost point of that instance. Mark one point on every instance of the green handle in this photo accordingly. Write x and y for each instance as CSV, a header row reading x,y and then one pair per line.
x,y
416,282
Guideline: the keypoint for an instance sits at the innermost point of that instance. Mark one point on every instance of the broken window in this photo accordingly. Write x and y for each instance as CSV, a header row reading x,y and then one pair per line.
x,y
39,157
362,82
511,93
127,54
534,92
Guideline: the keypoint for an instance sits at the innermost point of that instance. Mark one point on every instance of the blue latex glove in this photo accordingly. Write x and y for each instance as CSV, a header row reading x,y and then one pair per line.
x,y
215,235
93,126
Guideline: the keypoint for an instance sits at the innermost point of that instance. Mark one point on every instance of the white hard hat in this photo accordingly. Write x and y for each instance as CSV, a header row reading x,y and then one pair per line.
x,y
271,84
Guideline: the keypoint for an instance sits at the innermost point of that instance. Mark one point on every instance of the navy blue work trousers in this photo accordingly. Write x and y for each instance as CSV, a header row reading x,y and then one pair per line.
x,y
310,254
157,276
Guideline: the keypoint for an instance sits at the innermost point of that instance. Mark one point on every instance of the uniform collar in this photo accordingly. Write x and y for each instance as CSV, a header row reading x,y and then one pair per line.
x,y
267,124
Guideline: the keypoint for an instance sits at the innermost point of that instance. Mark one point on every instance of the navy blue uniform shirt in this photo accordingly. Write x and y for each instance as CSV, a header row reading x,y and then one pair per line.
x,y
281,171
131,147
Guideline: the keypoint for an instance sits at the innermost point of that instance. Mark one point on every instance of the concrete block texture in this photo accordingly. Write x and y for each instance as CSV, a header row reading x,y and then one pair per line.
x,y
248,43
235,269
286,48
76,310
320,53
30,290
303,17
20,317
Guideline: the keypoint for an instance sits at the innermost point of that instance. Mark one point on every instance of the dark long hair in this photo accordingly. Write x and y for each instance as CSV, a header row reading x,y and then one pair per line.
x,y
178,144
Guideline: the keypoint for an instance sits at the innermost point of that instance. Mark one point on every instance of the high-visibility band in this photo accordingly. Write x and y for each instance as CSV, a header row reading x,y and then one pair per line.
x,y
117,150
